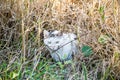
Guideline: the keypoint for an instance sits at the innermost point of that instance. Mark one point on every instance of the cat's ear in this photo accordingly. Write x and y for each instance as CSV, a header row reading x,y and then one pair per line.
x,y
46,34
59,33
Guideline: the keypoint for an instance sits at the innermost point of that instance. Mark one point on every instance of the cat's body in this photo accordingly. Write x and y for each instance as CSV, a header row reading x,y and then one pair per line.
x,y
61,46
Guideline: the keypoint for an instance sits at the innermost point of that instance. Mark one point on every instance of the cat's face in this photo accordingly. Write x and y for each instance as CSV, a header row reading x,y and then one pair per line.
x,y
53,40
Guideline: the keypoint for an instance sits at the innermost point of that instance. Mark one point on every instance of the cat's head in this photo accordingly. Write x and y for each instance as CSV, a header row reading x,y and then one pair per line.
x,y
53,39
54,33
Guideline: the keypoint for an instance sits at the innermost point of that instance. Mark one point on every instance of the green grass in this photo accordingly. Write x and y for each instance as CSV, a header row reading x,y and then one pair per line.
x,y
45,70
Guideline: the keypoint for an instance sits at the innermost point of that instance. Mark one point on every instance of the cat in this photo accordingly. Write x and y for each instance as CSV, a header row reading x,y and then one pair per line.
x,y
60,45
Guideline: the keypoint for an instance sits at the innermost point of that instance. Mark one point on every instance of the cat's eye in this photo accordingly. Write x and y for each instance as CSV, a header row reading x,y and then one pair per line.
x,y
57,42
49,42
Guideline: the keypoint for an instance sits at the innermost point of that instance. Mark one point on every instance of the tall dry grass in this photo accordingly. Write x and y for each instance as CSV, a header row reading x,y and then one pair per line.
x,y
22,23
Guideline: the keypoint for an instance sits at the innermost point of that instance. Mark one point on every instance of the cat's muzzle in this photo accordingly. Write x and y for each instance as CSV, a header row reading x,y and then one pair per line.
x,y
52,48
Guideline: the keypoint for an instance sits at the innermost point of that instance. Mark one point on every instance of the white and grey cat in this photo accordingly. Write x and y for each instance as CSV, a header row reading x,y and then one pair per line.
x,y
61,45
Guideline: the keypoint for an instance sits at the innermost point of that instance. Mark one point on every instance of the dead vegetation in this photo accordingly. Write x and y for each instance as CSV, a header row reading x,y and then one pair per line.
x,y
22,23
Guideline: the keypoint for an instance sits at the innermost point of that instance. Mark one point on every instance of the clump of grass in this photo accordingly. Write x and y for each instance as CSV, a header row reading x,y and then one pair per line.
x,y
23,55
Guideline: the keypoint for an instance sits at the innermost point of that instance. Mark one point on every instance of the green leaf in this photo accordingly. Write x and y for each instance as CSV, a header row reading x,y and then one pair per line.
x,y
68,62
103,17
87,50
101,10
14,75
103,39
116,55
84,71
60,65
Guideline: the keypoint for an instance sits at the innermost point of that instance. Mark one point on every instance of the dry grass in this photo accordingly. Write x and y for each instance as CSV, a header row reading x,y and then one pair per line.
x,y
21,46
